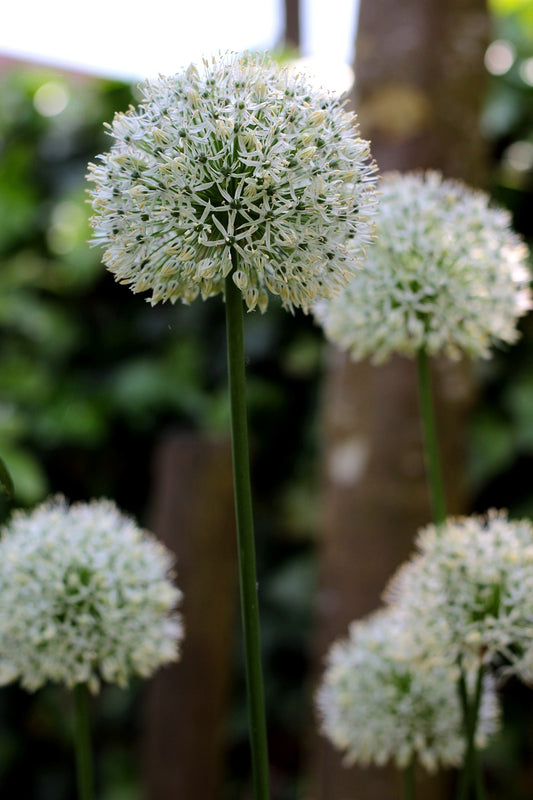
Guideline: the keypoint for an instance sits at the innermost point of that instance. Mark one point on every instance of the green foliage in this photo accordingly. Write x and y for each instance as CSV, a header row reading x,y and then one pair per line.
x,y
521,11
45,268
501,443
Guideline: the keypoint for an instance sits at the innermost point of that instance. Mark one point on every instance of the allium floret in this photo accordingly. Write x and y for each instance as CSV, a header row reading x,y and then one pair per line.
x,y
381,702
446,274
471,585
85,596
239,165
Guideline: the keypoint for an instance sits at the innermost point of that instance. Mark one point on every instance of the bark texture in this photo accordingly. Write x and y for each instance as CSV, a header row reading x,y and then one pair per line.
x,y
186,705
420,85
291,35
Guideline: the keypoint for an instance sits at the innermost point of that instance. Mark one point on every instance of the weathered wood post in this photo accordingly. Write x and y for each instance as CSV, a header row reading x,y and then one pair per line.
x,y
186,704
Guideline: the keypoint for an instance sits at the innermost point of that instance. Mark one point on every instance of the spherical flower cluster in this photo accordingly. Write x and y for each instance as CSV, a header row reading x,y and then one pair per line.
x,y
446,274
471,584
85,596
379,701
242,167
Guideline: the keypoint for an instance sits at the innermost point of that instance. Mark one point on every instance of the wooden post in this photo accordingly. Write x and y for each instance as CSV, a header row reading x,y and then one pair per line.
x,y
419,82
291,36
186,704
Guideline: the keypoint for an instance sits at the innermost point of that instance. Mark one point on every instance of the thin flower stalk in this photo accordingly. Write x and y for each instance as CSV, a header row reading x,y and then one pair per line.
x,y
408,782
245,538
471,774
82,741
431,446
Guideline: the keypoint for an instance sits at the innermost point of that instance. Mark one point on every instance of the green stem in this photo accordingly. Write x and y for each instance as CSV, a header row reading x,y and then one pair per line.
x,y
82,740
408,782
479,788
466,773
471,776
430,439
245,540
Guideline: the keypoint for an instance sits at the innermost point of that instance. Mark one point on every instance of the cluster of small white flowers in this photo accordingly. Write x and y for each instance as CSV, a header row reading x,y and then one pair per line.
x,y
471,583
380,701
85,596
446,274
241,166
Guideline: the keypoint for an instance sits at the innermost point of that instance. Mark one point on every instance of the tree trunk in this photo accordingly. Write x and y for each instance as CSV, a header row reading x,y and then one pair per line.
x,y
186,708
420,81
291,34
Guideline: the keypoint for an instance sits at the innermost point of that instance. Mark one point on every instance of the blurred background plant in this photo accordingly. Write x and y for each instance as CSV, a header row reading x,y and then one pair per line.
x,y
90,379
502,427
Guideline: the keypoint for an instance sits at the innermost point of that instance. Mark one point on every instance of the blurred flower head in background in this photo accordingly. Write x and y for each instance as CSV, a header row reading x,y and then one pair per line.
x,y
237,166
380,702
445,274
85,596
470,585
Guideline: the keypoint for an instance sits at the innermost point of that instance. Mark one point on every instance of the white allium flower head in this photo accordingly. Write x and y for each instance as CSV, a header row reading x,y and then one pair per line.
x,y
471,585
381,702
446,274
85,596
237,165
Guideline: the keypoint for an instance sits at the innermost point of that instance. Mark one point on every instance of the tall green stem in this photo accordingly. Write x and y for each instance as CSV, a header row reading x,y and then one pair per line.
x,y
466,774
471,777
408,782
430,439
479,788
82,740
245,539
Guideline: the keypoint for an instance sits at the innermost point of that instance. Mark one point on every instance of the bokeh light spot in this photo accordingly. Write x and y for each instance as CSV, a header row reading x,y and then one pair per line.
x,y
526,71
51,98
499,57
519,156
67,228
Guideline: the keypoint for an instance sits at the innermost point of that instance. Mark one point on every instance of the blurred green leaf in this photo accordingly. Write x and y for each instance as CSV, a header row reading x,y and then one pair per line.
x,y
294,584
73,419
143,386
29,479
522,10
49,325
502,112
6,482
519,402
304,355
492,446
